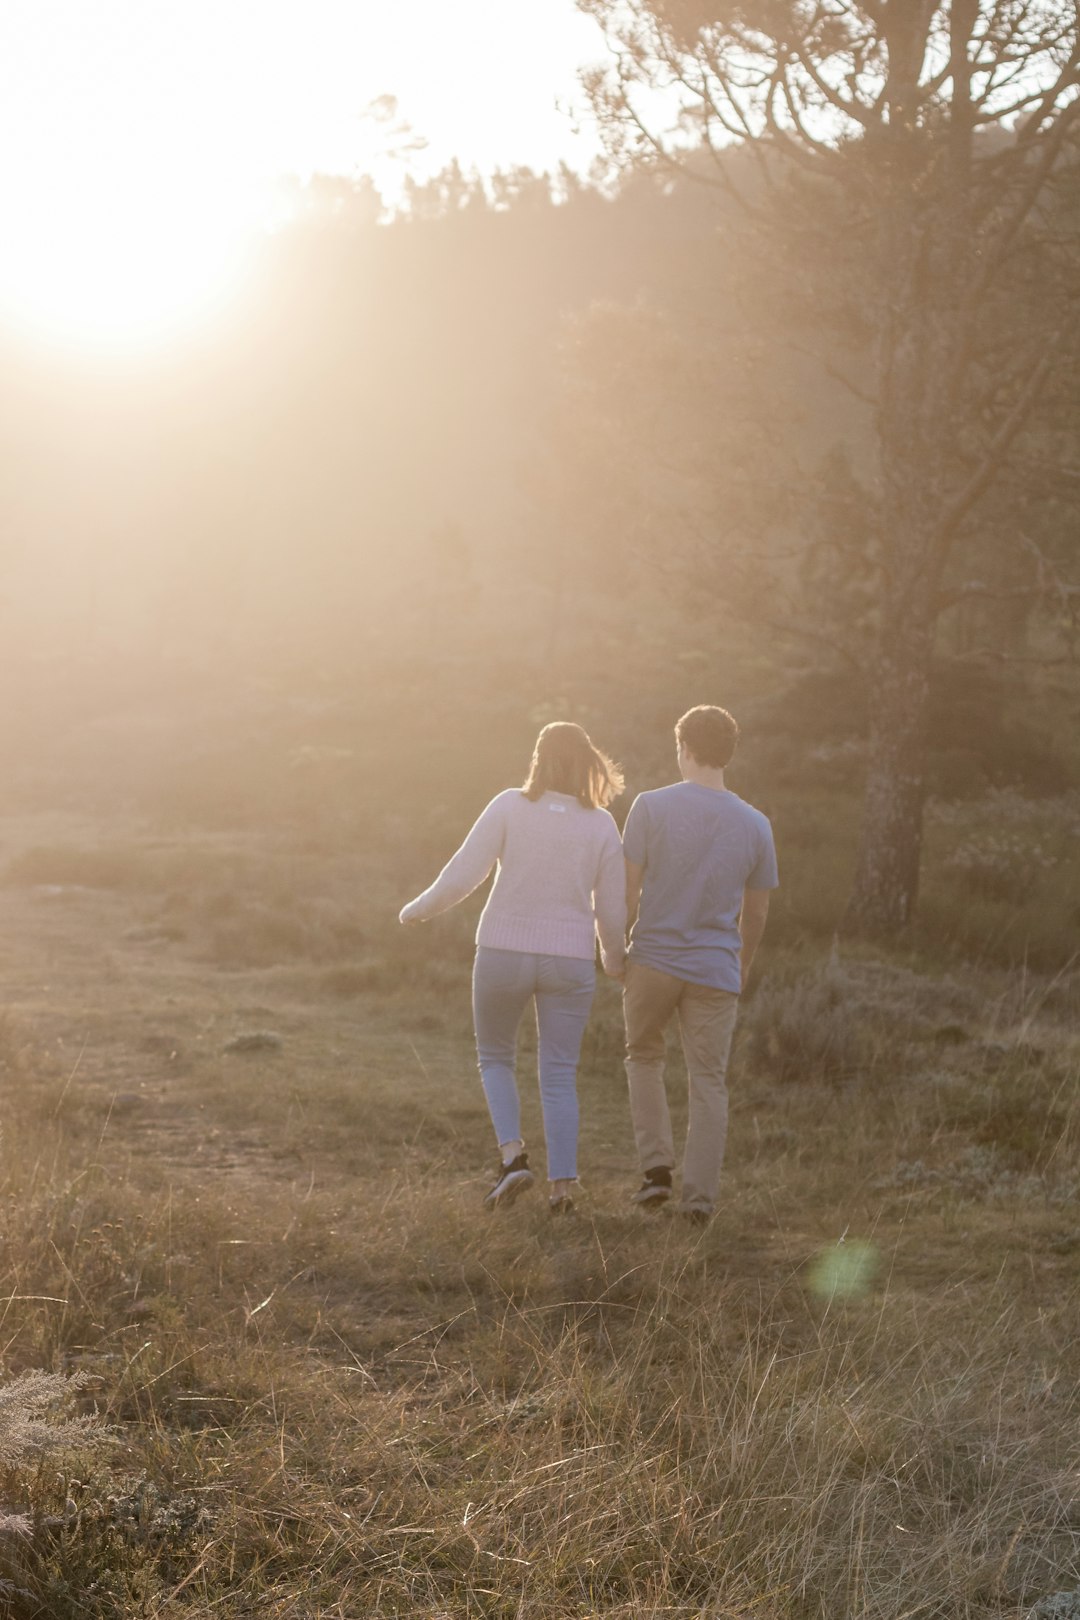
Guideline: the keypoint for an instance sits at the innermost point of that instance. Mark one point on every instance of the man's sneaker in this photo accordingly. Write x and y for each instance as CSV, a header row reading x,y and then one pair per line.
x,y
694,1216
562,1205
513,1179
655,1189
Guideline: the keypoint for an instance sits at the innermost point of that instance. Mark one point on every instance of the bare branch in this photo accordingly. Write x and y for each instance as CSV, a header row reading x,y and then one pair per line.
x,y
797,629
829,366
989,466
1027,200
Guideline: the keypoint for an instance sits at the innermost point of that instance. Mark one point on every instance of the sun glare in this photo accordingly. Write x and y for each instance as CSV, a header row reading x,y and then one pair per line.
x,y
139,140
119,243
111,262
126,211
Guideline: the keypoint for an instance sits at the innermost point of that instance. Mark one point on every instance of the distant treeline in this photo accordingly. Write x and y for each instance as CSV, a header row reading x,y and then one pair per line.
x,y
380,437
491,415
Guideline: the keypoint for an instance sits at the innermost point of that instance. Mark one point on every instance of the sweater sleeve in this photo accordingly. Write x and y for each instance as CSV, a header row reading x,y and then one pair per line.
x,y
610,900
464,871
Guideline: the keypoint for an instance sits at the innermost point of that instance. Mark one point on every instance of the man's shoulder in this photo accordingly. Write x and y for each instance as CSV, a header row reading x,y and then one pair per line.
x,y
752,813
658,797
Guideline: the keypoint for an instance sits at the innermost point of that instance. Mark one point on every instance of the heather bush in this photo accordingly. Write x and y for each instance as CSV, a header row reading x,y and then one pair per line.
x,y
809,1030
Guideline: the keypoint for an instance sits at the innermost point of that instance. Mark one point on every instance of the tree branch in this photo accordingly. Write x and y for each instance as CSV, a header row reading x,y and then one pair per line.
x,y
1007,231
958,508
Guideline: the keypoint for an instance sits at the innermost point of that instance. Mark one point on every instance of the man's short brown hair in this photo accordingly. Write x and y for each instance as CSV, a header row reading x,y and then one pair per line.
x,y
709,734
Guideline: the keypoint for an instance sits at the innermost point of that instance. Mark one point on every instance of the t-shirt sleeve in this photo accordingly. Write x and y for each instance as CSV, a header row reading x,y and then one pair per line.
x,y
636,832
764,874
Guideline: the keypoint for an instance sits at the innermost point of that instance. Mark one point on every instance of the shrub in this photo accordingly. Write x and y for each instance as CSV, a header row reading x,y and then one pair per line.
x,y
806,1031
33,1432
968,720
28,1429
1001,866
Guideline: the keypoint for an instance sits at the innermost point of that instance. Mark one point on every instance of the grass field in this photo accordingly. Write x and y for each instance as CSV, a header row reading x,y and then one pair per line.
x,y
244,1151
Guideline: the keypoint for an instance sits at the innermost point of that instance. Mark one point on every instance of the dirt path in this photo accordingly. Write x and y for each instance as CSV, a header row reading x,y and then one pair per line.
x,y
131,1028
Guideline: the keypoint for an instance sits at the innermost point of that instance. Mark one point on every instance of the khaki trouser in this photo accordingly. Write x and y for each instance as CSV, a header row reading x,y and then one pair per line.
x,y
706,1026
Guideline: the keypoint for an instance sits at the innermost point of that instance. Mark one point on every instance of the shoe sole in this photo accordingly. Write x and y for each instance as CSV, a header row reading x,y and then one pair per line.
x,y
508,1190
651,1200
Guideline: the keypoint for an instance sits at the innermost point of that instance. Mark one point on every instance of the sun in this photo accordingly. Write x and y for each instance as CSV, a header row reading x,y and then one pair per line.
x,y
119,247
127,210
119,258
140,139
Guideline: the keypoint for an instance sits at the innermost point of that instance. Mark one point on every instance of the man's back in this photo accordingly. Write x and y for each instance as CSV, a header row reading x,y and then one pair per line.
x,y
700,847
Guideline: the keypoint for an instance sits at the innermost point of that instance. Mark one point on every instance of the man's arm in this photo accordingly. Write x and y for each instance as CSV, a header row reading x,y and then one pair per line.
x,y
609,899
752,918
635,874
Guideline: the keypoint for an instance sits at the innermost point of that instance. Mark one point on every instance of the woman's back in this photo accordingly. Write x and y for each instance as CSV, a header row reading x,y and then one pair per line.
x,y
554,856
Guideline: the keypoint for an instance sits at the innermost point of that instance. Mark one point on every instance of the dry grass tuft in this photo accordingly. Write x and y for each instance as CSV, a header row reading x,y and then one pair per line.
x,y
339,1389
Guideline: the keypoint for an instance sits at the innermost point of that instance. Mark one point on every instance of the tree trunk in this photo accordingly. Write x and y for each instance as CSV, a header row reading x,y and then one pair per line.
x,y
890,842
922,254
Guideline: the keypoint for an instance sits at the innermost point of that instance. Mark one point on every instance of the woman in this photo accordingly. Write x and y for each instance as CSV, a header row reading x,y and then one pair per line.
x,y
560,883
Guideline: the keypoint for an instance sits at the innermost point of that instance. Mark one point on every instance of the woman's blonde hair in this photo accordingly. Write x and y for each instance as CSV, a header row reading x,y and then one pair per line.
x,y
566,761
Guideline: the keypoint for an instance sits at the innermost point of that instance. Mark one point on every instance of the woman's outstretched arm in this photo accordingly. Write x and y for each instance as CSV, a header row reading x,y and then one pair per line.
x,y
464,871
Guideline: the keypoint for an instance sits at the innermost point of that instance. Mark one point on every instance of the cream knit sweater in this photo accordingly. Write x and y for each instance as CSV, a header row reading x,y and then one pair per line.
x,y
560,882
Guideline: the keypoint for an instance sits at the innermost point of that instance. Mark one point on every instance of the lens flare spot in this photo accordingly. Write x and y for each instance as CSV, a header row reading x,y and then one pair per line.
x,y
844,1271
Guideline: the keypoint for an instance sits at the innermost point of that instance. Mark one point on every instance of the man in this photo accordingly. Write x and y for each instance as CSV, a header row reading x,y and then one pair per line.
x,y
700,863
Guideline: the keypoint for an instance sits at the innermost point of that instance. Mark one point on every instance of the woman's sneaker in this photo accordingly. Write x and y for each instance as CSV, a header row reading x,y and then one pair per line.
x,y
513,1179
655,1189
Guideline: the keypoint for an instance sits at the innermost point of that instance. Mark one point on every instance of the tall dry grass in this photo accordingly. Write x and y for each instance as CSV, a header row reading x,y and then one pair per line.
x,y
341,1390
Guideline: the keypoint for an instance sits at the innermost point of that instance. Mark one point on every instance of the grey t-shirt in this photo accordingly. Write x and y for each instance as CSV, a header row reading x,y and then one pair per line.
x,y
700,848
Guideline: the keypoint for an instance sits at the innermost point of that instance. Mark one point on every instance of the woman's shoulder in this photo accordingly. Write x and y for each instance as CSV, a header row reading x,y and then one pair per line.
x,y
604,821
498,808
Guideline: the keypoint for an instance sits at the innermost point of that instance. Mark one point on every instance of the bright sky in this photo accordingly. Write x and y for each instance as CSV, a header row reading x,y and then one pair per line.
x,y
137,136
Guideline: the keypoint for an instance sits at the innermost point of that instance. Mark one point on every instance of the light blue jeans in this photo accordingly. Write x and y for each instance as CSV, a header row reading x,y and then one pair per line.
x,y
504,982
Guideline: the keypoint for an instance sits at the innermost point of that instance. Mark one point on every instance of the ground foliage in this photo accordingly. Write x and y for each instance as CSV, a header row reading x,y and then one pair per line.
x,y
240,1199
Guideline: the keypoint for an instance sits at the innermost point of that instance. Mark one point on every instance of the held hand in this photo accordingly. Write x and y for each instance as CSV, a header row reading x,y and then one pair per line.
x,y
617,973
